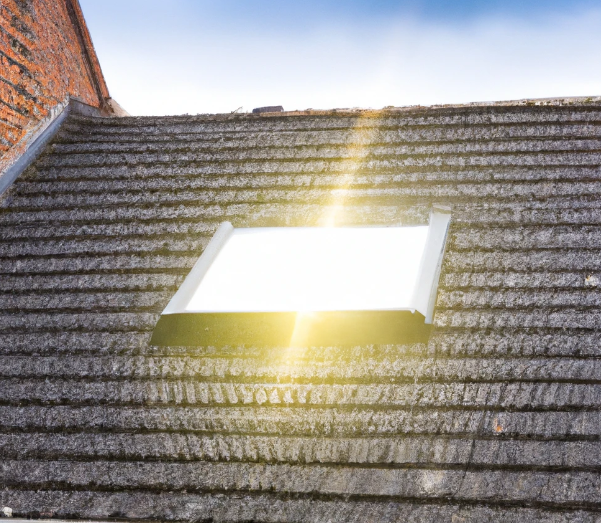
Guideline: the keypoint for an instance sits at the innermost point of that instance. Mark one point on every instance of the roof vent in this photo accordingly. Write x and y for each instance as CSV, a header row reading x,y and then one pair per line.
x,y
269,109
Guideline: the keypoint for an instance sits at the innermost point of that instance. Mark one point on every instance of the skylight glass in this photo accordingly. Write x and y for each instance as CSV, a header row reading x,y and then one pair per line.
x,y
313,269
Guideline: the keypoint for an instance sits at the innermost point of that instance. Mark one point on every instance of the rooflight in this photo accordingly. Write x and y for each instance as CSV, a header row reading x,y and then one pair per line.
x,y
338,285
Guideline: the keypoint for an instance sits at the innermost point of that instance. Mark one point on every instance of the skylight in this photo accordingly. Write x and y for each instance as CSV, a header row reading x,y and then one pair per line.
x,y
251,285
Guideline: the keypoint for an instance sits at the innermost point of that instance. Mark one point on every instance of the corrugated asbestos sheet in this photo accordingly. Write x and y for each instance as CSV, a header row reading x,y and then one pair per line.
x,y
497,418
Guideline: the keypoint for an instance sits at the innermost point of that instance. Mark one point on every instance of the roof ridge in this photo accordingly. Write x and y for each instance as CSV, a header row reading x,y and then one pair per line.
x,y
570,101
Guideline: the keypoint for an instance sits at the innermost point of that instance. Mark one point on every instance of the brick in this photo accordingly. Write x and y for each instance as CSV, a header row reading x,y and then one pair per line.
x,y
46,54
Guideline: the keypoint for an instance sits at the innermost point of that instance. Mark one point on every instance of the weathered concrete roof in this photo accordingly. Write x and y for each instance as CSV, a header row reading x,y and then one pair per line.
x,y
497,418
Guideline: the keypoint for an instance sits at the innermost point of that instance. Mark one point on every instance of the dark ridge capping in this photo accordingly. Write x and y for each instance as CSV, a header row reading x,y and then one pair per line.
x,y
35,141
583,103
269,109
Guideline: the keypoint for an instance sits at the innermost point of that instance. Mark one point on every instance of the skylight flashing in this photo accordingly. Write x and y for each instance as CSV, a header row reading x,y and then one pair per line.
x,y
426,289
182,297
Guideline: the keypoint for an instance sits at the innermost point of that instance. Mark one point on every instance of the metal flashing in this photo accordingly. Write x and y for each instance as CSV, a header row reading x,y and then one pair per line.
x,y
34,142
184,294
427,287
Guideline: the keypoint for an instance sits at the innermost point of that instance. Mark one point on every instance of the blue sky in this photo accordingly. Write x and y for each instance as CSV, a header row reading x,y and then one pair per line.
x,y
208,56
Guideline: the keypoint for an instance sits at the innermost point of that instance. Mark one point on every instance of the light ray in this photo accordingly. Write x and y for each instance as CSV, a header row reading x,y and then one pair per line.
x,y
359,141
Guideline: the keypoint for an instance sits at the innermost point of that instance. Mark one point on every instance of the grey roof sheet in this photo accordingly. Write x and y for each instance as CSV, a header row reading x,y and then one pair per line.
x,y
497,418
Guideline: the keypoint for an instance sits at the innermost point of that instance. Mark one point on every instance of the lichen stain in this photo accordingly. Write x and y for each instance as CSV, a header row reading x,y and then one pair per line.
x,y
498,426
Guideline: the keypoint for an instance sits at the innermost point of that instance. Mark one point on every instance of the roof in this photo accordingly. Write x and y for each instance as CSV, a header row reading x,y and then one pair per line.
x,y
496,418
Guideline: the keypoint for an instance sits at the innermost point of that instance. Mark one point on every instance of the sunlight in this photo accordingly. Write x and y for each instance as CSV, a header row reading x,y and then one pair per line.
x,y
361,138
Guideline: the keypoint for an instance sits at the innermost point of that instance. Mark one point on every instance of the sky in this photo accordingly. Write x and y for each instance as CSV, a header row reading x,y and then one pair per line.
x,y
220,56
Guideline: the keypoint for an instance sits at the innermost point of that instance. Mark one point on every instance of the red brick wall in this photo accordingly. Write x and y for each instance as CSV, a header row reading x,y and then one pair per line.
x,y
45,54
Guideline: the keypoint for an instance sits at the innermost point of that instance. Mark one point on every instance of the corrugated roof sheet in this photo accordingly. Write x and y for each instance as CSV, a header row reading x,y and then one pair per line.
x,y
497,418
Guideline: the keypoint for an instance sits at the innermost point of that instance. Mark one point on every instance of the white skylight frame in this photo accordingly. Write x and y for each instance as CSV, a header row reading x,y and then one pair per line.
x,y
211,291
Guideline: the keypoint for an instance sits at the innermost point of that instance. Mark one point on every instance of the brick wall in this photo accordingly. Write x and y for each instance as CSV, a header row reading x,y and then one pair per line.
x,y
45,54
